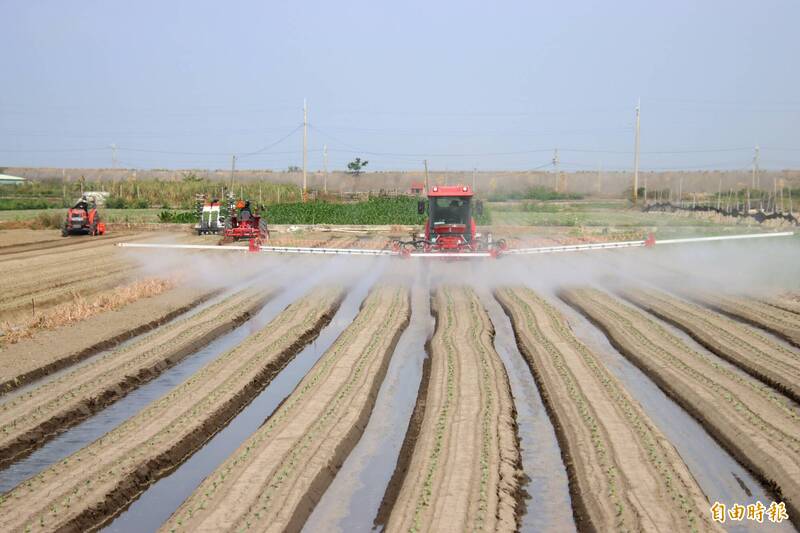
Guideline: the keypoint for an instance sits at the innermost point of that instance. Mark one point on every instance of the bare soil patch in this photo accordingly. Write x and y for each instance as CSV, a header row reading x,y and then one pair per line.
x,y
464,473
51,350
783,323
93,485
275,478
758,426
740,344
621,467
30,420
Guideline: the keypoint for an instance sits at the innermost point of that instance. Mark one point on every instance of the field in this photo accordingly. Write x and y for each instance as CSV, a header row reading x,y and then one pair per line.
x,y
630,390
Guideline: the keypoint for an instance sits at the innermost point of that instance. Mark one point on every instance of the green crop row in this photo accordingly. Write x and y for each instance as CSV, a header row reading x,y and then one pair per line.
x,y
375,211
177,217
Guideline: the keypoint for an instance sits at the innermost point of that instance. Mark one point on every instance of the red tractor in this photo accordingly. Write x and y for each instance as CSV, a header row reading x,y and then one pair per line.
x,y
243,223
83,219
450,227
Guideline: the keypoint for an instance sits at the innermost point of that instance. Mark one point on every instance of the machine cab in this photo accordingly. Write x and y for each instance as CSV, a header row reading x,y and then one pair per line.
x,y
450,223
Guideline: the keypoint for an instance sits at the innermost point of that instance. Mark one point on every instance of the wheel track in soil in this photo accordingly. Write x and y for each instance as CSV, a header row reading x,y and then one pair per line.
x,y
756,424
30,420
274,479
465,468
783,323
90,487
739,344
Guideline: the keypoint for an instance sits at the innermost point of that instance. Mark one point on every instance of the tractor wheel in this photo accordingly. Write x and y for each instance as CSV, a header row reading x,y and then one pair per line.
x,y
263,231
64,231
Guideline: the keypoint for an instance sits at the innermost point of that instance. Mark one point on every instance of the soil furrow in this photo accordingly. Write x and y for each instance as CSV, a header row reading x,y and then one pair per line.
x,y
785,303
43,298
64,247
464,472
735,342
91,486
30,420
274,479
48,351
621,467
783,323
757,425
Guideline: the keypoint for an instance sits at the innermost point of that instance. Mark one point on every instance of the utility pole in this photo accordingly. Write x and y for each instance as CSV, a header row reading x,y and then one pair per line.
x,y
426,176
325,168
114,156
599,178
555,167
719,192
473,179
680,192
645,190
305,149
756,178
233,169
636,157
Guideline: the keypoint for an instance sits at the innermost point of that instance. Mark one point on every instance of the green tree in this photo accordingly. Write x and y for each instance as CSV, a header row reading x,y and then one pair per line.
x,y
356,166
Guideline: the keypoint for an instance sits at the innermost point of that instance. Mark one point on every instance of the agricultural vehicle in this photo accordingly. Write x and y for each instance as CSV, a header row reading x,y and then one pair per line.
x,y
211,218
243,223
450,233
450,227
83,219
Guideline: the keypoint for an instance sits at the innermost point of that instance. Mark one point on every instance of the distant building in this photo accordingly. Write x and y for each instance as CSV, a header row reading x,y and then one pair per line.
x,y
417,187
5,179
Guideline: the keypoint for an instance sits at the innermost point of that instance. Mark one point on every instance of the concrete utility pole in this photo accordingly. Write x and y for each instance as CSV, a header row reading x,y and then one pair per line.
x,y
599,178
756,178
645,190
555,167
325,168
680,192
473,179
426,176
233,169
305,149
719,192
636,157
114,156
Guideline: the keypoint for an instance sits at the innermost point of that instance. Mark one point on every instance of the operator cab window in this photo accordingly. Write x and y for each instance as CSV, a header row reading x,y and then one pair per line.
x,y
450,210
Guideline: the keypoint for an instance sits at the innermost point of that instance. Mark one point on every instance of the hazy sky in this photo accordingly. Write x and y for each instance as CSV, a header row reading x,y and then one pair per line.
x,y
492,85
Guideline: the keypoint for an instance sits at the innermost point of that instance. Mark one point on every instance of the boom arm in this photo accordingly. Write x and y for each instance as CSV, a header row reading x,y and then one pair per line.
x,y
462,255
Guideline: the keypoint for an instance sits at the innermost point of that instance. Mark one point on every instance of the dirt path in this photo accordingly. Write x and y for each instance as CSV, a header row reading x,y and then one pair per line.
x,y
464,472
755,424
91,486
275,478
630,469
52,350
781,322
737,343
31,419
